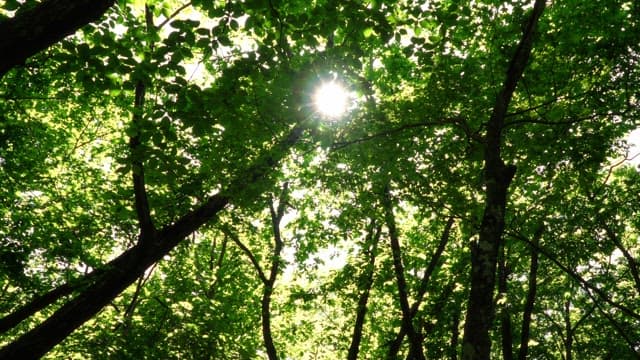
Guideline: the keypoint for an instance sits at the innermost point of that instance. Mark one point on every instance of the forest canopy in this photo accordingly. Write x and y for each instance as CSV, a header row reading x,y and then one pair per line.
x,y
285,179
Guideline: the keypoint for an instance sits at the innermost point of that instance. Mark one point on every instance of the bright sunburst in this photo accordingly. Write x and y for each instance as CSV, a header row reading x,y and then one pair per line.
x,y
331,99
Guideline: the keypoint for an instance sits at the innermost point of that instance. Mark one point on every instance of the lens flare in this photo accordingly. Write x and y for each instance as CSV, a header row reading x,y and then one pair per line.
x,y
331,99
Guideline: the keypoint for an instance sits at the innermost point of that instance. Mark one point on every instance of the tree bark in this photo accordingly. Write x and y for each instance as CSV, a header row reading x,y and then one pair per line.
x,y
126,268
366,283
476,343
415,341
33,30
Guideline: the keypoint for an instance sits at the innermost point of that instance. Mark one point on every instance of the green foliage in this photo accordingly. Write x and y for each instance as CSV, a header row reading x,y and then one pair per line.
x,y
225,80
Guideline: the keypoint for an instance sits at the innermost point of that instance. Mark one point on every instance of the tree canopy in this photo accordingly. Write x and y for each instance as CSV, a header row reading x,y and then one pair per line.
x,y
171,188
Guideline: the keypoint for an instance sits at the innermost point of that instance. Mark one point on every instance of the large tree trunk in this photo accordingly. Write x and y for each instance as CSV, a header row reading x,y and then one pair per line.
x,y
125,269
35,29
476,343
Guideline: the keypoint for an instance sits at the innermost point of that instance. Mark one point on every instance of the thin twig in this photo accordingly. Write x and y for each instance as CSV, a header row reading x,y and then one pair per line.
x,y
173,15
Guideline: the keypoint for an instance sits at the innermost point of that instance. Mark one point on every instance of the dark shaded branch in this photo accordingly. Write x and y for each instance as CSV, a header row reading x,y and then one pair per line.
x,y
455,334
147,229
126,268
213,287
570,329
366,282
283,45
505,317
142,281
568,340
533,108
256,264
276,218
555,123
554,324
457,122
624,334
173,15
546,103
531,297
433,262
517,65
33,30
254,174
631,261
415,342
33,97
8,322
587,286
394,347
24,312
582,319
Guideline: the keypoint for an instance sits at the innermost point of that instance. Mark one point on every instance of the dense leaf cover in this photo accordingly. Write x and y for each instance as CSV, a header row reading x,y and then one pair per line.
x,y
168,189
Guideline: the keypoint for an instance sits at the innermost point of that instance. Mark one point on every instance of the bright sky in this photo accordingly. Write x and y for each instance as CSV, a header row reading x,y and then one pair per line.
x,y
634,146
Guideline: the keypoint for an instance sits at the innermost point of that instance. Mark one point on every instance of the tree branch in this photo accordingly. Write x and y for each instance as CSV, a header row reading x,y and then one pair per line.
x,y
624,334
530,299
33,30
366,281
415,343
24,312
236,240
556,123
433,262
394,347
276,218
518,63
147,229
583,283
457,122
191,221
125,269
631,261
173,15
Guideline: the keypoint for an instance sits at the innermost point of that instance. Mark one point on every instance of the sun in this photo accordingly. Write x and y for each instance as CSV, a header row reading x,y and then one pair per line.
x,y
331,99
